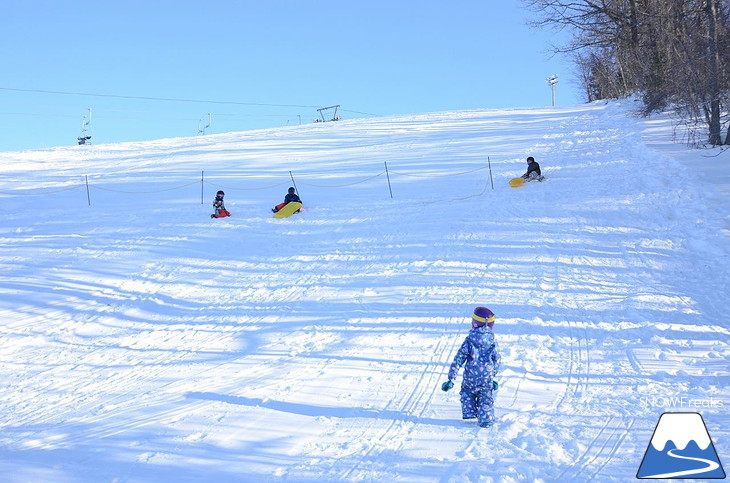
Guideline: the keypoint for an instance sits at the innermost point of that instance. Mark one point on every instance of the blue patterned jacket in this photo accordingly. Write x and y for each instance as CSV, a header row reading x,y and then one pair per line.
x,y
479,352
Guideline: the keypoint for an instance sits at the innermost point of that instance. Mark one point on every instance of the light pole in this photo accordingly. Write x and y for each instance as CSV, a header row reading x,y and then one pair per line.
x,y
552,80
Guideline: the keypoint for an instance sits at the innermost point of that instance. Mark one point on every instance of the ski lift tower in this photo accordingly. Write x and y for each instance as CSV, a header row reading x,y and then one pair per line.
x,y
552,80
335,117
85,137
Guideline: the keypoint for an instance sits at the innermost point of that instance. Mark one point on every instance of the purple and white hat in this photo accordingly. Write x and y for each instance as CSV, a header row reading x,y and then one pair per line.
x,y
482,316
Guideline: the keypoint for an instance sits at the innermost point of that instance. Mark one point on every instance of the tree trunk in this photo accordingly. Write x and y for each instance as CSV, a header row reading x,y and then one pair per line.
x,y
713,54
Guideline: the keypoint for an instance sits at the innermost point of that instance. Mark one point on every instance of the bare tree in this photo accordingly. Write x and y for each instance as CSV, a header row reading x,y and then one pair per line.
x,y
713,67
671,52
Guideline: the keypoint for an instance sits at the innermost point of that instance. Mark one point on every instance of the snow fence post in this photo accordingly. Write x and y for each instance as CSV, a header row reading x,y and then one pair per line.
x,y
88,195
294,183
388,176
490,172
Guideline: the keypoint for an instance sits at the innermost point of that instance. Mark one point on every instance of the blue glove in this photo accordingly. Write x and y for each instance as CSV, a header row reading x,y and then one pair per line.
x,y
495,386
447,385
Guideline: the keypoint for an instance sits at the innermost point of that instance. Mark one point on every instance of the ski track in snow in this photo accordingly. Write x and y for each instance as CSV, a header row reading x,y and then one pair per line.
x,y
142,341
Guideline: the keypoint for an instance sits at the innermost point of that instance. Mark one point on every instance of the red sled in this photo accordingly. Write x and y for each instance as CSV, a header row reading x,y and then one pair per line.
x,y
221,214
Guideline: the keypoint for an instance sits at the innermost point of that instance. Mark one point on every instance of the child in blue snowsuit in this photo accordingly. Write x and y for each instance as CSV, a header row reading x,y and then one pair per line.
x,y
479,353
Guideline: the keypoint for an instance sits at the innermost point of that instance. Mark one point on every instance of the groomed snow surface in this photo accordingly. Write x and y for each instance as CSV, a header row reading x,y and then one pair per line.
x,y
143,341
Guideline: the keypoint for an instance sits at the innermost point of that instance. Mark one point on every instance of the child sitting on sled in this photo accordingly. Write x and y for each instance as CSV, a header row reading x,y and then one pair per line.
x,y
290,197
533,170
220,209
479,353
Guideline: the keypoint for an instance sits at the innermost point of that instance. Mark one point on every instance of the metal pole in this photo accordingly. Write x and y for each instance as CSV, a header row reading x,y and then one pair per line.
x,y
88,195
202,181
387,175
490,171
294,183
552,80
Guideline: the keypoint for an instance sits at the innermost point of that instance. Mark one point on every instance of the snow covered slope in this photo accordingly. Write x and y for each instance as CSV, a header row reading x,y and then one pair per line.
x,y
142,341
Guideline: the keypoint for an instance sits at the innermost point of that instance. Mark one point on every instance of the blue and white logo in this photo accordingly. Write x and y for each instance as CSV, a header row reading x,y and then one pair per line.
x,y
681,448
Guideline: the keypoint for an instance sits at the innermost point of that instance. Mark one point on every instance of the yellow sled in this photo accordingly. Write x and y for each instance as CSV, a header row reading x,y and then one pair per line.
x,y
288,210
516,182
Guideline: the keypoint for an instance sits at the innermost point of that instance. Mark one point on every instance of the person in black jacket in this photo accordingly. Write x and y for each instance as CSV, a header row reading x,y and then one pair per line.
x,y
290,196
533,170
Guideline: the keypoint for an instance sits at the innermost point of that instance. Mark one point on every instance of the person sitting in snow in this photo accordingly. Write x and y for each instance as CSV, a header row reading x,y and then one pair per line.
x,y
290,197
533,170
479,353
220,209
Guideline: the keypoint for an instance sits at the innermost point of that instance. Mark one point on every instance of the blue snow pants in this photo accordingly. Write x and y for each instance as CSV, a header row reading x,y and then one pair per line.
x,y
478,403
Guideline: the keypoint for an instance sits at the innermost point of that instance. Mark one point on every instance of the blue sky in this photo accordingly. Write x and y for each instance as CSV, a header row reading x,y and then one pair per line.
x,y
266,63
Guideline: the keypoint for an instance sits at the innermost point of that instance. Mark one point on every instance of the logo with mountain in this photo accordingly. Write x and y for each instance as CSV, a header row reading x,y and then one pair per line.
x,y
681,448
